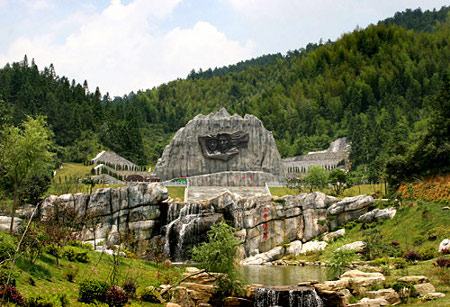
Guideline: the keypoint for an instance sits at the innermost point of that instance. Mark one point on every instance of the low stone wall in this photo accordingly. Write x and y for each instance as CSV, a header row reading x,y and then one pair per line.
x,y
233,179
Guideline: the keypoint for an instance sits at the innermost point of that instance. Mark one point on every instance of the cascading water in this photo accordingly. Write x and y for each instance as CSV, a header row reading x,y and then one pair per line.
x,y
186,226
287,297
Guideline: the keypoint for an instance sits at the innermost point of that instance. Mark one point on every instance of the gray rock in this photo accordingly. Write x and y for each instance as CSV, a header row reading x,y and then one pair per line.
x,y
351,204
5,223
357,246
444,246
184,156
313,246
332,236
294,248
377,215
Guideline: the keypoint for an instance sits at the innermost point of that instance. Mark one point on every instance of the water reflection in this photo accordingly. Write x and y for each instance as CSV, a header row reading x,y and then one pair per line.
x,y
271,275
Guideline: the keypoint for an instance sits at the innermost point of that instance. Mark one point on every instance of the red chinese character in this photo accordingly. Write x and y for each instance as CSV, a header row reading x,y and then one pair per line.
x,y
265,226
265,235
265,216
265,210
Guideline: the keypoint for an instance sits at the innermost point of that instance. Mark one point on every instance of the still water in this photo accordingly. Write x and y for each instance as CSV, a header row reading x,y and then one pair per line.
x,y
272,275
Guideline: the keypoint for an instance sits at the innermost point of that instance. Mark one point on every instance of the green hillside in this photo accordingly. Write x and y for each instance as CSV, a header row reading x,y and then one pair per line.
x,y
375,85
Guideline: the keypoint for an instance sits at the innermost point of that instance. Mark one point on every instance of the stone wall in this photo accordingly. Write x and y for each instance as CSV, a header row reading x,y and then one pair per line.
x,y
232,179
198,148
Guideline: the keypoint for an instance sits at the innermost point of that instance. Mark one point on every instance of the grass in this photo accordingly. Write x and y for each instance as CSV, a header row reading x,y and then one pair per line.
x,y
44,277
353,191
176,192
418,225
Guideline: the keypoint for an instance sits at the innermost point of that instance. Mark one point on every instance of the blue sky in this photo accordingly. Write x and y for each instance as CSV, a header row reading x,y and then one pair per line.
x,y
128,45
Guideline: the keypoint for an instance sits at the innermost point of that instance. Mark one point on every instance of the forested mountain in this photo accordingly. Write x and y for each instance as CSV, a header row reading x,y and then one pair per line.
x,y
376,85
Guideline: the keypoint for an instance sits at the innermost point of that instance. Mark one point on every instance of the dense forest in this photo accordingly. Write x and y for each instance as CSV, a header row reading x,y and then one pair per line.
x,y
384,87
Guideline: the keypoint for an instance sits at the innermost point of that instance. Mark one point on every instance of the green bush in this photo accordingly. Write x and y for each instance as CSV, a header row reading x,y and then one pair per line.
x,y
91,290
428,253
76,254
339,261
150,294
400,263
404,290
4,272
7,247
56,300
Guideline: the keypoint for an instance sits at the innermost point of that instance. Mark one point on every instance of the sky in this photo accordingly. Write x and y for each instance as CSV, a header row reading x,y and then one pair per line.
x,y
130,45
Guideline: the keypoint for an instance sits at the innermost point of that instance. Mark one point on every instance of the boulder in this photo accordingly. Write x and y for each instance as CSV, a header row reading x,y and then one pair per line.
x,y
419,279
294,248
357,246
362,279
181,297
5,223
351,204
424,289
271,255
332,236
444,246
388,294
313,246
377,215
368,302
232,301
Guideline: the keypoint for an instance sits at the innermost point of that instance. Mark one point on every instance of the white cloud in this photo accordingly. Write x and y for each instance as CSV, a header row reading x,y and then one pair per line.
x,y
119,51
38,4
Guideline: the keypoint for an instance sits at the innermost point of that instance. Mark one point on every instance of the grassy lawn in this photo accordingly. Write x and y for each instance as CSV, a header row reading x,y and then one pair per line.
x,y
177,192
45,277
418,226
353,191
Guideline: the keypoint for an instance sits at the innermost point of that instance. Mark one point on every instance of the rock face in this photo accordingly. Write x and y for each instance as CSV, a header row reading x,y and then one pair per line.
x,y
444,246
378,215
348,209
262,223
219,142
135,208
5,223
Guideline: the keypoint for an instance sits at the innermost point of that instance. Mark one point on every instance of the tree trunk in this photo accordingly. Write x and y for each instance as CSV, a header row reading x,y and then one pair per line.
x,y
13,211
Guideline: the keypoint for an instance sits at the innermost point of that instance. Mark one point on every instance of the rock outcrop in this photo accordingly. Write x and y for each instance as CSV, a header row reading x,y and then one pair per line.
x,y
135,208
219,142
378,215
263,223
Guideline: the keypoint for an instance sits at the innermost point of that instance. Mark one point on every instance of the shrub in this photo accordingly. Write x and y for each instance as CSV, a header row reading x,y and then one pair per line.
x,y
130,287
442,263
4,272
76,254
71,273
404,290
57,300
91,290
412,255
7,247
428,253
400,263
339,261
116,297
150,294
12,295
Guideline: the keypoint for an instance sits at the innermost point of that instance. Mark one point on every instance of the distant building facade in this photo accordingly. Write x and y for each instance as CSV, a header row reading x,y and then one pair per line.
x,y
335,157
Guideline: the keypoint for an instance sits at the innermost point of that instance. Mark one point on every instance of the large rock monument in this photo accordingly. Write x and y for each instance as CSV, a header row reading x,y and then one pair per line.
x,y
220,149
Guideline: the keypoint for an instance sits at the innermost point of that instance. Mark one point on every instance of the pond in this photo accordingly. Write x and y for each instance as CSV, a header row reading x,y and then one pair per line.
x,y
273,275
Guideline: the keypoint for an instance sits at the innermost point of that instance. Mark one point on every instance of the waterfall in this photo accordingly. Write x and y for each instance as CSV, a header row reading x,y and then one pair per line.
x,y
287,297
186,226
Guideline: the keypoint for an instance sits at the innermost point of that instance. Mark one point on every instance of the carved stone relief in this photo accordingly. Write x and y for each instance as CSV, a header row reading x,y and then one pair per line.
x,y
222,146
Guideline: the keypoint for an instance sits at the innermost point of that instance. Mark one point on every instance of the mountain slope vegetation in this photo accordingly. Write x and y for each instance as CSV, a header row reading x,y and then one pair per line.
x,y
376,85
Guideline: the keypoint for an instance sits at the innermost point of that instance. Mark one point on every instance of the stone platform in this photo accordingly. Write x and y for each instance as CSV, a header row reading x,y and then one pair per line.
x,y
196,193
